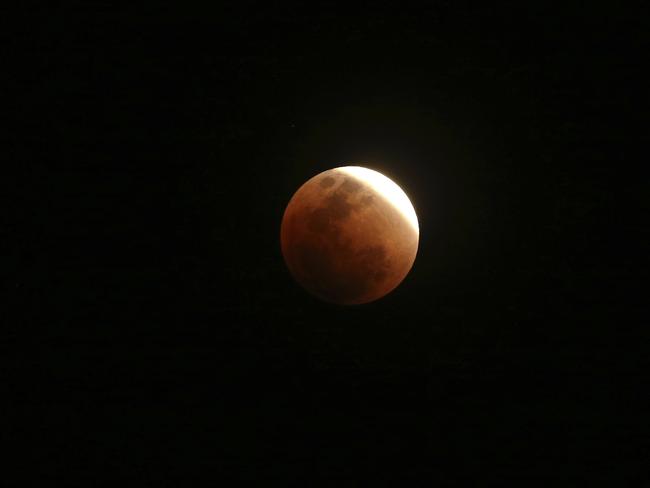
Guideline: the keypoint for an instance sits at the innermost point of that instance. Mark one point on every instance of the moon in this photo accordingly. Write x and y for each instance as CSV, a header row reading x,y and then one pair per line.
x,y
349,235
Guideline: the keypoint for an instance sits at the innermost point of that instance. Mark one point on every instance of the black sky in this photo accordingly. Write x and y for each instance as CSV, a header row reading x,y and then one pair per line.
x,y
154,332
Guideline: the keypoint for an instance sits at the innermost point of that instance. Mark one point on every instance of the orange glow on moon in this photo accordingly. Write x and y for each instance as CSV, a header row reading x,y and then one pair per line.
x,y
349,235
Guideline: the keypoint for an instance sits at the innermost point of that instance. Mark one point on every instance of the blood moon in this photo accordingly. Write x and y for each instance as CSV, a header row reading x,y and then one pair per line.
x,y
349,235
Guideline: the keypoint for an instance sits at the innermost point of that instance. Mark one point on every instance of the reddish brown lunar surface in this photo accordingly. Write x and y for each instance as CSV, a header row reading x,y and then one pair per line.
x,y
349,235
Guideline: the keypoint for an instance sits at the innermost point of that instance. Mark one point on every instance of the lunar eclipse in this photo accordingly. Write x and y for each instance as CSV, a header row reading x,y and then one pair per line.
x,y
349,235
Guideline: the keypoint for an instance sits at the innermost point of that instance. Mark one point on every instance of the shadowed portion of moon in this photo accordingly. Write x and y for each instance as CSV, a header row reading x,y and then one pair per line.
x,y
345,242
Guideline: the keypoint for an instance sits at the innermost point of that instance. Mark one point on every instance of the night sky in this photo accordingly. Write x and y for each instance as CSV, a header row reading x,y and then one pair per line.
x,y
153,331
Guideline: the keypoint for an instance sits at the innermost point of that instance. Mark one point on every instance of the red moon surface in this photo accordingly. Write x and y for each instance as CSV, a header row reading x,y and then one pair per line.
x,y
349,235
